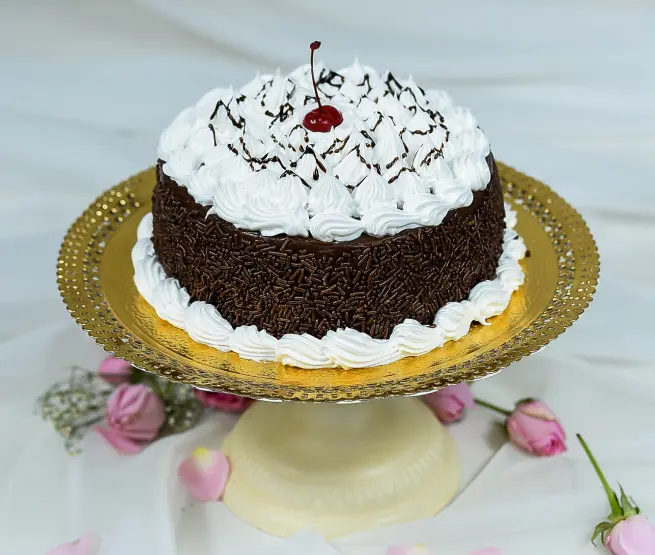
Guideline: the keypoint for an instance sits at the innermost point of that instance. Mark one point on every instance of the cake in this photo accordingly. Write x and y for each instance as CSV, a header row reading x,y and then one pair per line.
x,y
346,220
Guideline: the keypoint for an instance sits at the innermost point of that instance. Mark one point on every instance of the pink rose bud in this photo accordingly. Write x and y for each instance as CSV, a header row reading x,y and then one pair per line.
x,y
83,546
134,416
633,536
223,401
534,427
115,370
448,404
204,474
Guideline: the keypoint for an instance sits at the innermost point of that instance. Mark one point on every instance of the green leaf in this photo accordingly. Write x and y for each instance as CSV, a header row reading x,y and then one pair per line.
x,y
138,376
628,505
182,417
183,410
600,529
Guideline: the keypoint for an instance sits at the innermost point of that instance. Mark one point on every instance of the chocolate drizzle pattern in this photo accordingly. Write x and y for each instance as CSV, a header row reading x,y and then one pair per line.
x,y
302,285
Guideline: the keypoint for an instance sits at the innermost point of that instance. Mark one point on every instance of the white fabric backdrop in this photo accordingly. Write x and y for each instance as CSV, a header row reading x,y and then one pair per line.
x,y
563,88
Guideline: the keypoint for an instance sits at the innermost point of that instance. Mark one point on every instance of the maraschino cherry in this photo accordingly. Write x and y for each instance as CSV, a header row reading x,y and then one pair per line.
x,y
323,118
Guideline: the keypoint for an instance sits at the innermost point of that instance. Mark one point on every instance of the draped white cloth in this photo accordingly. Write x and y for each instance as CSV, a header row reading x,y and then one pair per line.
x,y
564,89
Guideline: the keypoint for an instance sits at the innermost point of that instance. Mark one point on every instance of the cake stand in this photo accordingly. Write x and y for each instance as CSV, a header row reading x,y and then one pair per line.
x,y
330,462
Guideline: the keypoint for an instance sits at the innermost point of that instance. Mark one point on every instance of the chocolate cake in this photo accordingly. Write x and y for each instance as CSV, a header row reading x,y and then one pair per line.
x,y
349,232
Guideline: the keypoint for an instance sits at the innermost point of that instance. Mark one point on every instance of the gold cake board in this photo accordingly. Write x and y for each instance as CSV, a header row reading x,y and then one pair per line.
x,y
335,468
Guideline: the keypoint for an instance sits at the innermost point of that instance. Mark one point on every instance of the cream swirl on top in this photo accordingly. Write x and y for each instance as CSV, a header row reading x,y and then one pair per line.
x,y
402,158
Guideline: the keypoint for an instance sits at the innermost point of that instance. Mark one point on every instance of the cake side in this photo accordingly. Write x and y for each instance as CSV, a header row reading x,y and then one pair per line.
x,y
344,348
294,285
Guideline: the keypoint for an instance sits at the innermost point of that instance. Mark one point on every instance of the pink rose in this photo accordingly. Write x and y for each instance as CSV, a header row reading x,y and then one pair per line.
x,y
533,427
448,404
134,416
633,536
115,370
223,401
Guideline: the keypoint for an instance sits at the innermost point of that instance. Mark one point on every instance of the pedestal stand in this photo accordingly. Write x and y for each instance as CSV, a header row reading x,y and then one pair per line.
x,y
336,468
339,469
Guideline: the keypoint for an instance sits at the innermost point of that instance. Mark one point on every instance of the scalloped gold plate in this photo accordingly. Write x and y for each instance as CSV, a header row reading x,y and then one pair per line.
x,y
95,280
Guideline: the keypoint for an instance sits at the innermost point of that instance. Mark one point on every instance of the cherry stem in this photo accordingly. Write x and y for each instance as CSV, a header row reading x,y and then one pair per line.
x,y
611,496
315,46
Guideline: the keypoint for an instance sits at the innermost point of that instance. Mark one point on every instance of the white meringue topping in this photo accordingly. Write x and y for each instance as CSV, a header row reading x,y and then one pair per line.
x,y
238,152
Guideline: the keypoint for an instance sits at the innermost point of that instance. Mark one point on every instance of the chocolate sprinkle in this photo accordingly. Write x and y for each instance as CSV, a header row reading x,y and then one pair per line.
x,y
302,285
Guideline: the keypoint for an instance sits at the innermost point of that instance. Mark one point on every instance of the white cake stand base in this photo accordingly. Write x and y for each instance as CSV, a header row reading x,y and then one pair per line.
x,y
339,469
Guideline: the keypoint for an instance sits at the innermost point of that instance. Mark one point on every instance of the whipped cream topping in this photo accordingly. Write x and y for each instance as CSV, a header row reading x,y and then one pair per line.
x,y
345,348
402,158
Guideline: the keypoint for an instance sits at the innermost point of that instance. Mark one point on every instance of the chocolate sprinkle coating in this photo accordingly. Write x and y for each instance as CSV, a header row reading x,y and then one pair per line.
x,y
301,285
